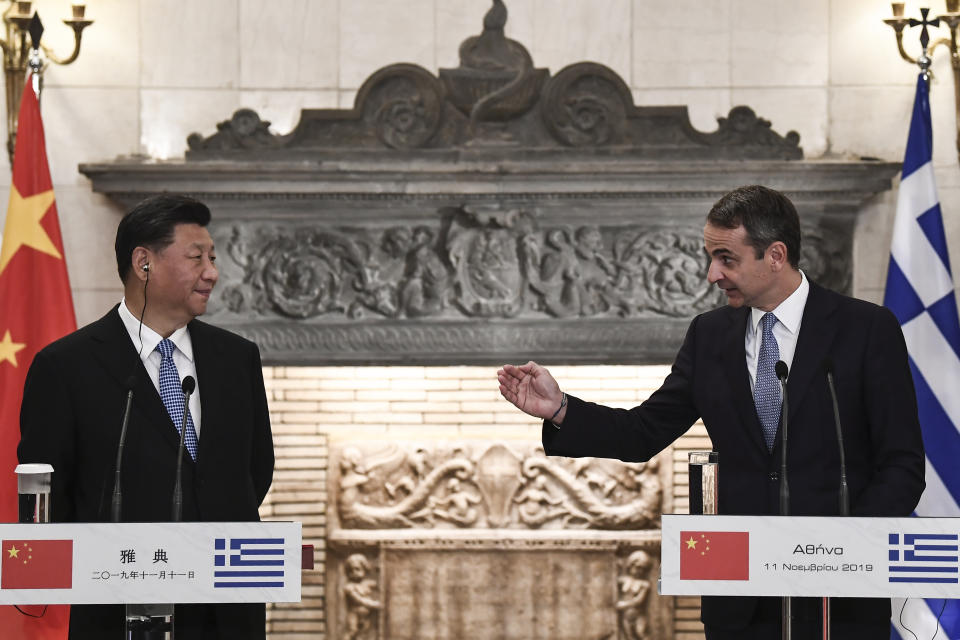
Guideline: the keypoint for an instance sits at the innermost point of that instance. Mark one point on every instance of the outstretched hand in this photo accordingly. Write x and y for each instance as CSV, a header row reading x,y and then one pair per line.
x,y
531,389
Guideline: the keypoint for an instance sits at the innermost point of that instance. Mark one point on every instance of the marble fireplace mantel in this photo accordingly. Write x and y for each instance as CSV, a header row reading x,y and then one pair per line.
x,y
491,212
454,258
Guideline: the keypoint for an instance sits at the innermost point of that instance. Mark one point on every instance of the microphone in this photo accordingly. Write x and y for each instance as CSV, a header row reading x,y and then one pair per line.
x,y
782,372
786,604
844,489
117,500
187,387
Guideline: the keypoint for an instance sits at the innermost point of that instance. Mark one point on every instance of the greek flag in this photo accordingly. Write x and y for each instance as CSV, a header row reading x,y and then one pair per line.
x,y
920,293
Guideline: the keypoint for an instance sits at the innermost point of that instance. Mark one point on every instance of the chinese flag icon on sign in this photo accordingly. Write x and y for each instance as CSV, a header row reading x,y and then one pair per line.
x,y
714,555
36,564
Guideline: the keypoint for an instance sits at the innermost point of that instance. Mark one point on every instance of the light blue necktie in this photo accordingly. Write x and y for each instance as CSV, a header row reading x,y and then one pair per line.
x,y
766,389
172,395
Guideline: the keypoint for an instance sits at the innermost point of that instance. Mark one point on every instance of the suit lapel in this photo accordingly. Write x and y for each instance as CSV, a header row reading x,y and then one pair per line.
x,y
813,345
211,384
114,350
733,353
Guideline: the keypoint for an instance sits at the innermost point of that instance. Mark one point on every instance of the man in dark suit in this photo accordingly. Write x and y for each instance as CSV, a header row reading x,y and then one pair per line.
x,y
76,389
724,374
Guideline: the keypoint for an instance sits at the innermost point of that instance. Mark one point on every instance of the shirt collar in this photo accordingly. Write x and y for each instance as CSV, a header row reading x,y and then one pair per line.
x,y
789,312
180,338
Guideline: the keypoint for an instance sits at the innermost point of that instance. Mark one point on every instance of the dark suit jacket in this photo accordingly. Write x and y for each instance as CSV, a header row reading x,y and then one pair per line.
x,y
709,379
71,417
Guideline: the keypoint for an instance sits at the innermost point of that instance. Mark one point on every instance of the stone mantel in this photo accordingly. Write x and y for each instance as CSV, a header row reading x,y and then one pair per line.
x,y
486,213
310,310
833,184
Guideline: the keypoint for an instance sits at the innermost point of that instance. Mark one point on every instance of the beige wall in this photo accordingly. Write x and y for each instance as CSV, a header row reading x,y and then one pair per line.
x,y
152,71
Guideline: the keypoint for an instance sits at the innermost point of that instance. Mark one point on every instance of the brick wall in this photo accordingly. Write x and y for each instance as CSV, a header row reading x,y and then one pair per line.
x,y
313,406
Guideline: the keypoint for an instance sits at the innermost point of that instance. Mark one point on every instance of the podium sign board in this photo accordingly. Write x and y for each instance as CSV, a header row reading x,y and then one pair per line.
x,y
807,556
184,562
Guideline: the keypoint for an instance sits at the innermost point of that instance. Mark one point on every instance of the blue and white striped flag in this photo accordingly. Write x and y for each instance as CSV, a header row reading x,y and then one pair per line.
x,y
920,293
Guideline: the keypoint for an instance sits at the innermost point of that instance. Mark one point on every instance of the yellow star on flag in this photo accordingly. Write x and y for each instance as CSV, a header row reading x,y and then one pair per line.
x,y
9,349
13,551
691,543
23,225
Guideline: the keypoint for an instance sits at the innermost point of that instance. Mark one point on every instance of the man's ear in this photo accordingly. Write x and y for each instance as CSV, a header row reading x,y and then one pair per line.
x,y
777,255
140,262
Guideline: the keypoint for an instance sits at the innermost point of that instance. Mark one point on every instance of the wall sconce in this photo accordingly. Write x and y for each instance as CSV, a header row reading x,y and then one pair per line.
x,y
950,19
22,21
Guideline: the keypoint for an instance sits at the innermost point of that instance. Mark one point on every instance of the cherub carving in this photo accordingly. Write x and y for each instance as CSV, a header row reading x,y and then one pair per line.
x,y
633,593
359,596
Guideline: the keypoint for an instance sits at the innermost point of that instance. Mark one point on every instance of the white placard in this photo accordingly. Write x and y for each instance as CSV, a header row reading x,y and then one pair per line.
x,y
102,563
807,556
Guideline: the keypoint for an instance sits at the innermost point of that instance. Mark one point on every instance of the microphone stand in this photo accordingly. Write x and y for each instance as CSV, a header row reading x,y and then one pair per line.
x,y
786,609
844,489
187,386
117,500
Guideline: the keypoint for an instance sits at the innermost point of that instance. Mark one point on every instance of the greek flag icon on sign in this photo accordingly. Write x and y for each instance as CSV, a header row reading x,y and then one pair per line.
x,y
924,558
248,562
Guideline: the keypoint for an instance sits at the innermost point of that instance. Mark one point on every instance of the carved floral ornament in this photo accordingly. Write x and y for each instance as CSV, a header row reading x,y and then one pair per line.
x,y
492,487
480,261
497,98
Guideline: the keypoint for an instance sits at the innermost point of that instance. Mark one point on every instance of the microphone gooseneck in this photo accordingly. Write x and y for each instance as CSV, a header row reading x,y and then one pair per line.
x,y
786,604
844,488
116,502
187,387
782,372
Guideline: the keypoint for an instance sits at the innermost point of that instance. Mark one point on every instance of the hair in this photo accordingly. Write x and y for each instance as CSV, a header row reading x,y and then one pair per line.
x,y
767,215
151,224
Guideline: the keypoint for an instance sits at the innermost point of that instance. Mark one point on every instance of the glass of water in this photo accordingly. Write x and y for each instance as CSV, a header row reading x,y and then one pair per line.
x,y
703,467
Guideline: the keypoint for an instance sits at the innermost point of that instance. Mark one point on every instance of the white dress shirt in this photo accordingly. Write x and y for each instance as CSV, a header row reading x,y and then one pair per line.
x,y
182,355
789,315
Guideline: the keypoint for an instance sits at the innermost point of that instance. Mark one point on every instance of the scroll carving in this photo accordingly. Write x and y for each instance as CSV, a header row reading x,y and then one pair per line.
x,y
493,487
402,105
586,105
243,131
496,99
742,127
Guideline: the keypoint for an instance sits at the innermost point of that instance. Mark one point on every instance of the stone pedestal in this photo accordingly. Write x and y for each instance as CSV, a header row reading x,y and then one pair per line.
x,y
493,541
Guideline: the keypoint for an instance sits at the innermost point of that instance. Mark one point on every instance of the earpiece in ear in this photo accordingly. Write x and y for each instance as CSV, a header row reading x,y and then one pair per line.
x,y
146,267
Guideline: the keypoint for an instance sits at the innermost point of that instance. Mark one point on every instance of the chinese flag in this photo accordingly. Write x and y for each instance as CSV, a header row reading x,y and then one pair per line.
x,y
714,555
36,564
35,309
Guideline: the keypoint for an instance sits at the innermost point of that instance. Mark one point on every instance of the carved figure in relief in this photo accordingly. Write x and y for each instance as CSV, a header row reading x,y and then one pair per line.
x,y
416,470
633,588
357,511
457,505
359,594
537,505
560,276
426,280
598,272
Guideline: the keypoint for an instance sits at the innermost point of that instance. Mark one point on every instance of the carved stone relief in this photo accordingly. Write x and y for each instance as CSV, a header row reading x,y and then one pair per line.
x,y
493,540
480,261
498,99
493,487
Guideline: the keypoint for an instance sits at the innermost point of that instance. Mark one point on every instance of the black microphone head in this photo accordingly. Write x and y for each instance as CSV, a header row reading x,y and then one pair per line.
x,y
781,369
130,382
188,385
828,365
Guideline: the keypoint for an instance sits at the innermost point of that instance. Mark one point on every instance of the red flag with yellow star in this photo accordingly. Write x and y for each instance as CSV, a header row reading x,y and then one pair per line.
x,y
36,308
714,555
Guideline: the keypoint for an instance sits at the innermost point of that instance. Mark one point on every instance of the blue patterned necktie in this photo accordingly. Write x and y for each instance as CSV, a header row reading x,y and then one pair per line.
x,y
766,389
172,395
